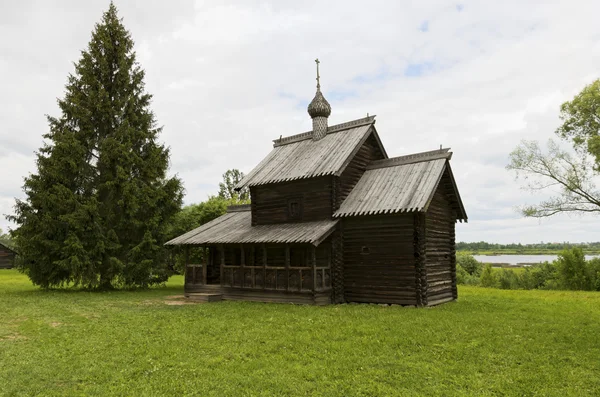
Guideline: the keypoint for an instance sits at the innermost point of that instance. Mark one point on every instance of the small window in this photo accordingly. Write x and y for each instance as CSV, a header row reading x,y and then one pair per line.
x,y
294,209
365,250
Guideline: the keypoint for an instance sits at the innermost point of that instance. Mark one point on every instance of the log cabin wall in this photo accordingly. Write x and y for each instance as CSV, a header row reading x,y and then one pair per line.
x,y
337,266
440,248
379,260
272,203
7,258
368,152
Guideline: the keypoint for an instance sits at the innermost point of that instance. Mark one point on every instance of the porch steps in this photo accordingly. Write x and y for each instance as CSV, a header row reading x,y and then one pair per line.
x,y
204,297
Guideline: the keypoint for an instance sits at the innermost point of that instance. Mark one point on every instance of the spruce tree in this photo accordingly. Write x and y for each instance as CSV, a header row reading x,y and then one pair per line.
x,y
97,211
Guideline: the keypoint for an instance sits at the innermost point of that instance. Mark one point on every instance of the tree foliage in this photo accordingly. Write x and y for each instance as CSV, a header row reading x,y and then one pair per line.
x,y
96,212
227,188
573,177
6,239
191,217
581,122
572,270
488,278
469,264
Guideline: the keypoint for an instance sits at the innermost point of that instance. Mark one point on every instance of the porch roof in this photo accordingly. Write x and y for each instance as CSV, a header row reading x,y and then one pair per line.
x,y
235,227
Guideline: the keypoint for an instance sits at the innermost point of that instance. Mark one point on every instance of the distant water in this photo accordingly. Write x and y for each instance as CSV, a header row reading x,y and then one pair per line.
x,y
516,259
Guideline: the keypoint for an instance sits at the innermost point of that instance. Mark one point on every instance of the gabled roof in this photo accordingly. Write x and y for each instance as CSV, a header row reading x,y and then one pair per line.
x,y
7,248
235,227
400,184
298,156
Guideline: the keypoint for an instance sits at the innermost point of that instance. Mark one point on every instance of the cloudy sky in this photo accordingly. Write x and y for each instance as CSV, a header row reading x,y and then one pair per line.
x,y
228,77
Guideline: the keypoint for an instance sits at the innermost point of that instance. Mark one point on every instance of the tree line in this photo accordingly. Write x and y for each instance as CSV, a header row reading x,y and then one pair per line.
x,y
485,246
570,271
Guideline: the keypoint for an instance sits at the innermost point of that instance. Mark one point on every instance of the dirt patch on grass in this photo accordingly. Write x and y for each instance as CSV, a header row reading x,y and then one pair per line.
x,y
175,297
171,300
179,303
177,300
150,302
55,324
13,337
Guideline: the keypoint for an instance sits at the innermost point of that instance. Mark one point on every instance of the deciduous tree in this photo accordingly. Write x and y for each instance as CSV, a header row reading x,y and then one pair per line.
x,y
227,188
572,177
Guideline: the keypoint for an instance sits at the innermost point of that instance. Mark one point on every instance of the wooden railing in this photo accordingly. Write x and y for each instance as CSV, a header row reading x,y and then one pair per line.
x,y
293,278
309,277
195,274
287,278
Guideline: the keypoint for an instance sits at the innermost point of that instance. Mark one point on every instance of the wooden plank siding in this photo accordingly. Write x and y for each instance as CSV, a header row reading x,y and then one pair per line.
x,y
379,261
440,247
368,152
270,202
7,258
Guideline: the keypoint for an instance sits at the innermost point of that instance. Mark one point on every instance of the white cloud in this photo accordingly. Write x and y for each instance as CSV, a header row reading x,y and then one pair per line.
x,y
227,78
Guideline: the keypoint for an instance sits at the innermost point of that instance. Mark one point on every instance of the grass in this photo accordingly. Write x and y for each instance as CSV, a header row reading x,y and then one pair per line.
x,y
490,342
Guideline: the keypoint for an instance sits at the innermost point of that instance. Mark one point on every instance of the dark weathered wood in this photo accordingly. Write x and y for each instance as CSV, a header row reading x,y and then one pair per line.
x,y
420,254
7,257
222,256
440,245
270,202
205,267
264,263
368,152
257,295
313,253
378,259
287,267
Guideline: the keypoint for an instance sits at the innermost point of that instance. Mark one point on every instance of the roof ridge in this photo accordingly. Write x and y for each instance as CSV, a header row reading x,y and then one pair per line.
x,y
330,130
412,158
238,207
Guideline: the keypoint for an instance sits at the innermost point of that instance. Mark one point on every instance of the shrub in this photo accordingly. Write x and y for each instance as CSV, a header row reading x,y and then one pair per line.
x,y
543,276
594,269
526,279
488,278
573,271
469,263
508,279
463,277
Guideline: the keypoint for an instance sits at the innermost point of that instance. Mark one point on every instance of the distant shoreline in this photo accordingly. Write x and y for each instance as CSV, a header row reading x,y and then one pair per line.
x,y
522,252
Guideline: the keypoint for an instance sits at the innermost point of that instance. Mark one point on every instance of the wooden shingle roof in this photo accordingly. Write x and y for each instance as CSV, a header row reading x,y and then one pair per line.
x,y
235,227
299,156
400,184
7,248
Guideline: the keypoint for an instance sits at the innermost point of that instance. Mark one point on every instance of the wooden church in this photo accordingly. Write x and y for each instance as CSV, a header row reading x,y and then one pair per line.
x,y
333,219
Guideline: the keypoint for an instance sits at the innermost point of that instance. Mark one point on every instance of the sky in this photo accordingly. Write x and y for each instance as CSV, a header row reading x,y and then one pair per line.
x,y
229,77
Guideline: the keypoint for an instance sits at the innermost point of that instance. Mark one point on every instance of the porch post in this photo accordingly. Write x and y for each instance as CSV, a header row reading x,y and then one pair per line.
x,y
313,251
287,267
264,249
187,262
205,266
253,264
222,252
243,264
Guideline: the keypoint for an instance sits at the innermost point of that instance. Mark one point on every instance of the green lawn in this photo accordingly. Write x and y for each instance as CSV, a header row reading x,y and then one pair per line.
x,y
490,342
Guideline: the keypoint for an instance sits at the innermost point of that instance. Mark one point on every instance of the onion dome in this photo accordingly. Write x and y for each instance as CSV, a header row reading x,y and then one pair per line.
x,y
319,110
319,107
